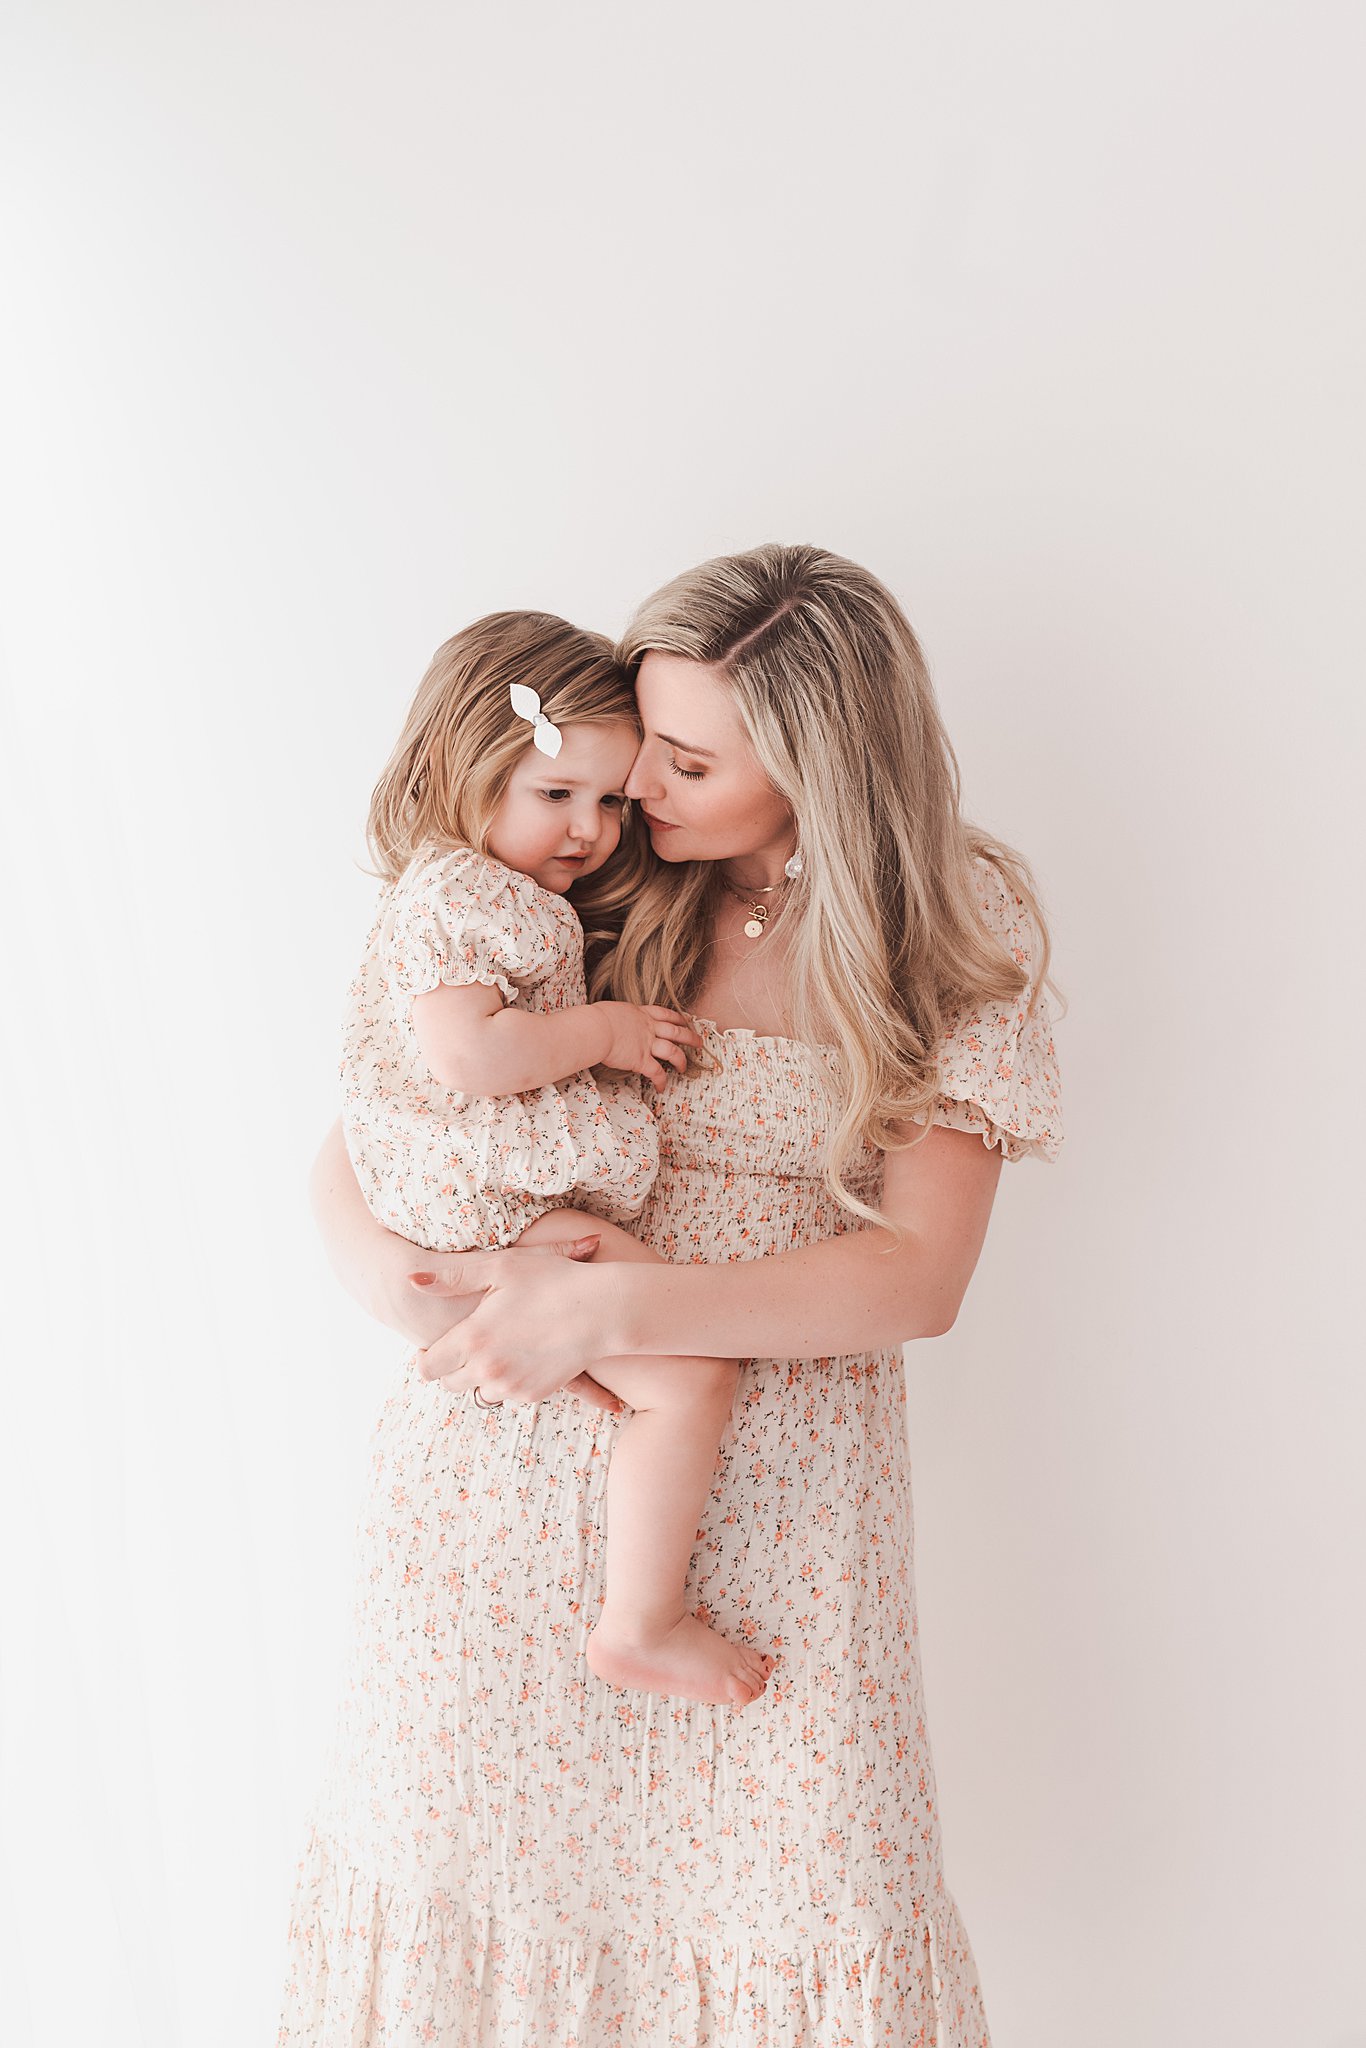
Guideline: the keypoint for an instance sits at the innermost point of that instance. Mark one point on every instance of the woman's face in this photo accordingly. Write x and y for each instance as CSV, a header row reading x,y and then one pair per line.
x,y
695,779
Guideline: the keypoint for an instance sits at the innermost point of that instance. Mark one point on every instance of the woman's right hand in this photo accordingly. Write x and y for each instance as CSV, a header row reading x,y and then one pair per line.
x,y
642,1036
464,1276
373,1263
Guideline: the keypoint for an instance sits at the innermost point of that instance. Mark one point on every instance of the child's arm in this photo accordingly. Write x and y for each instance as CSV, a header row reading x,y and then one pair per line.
x,y
473,1042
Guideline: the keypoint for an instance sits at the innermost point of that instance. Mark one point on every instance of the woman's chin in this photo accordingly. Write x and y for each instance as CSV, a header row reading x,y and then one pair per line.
x,y
666,846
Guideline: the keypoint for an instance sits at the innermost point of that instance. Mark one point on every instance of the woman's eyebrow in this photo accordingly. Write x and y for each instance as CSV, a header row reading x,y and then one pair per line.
x,y
684,747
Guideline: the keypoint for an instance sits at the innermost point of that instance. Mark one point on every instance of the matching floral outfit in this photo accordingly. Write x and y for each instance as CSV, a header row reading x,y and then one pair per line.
x,y
504,1851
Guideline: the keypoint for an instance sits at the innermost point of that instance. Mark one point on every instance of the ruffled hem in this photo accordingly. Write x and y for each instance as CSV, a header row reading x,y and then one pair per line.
x,y
371,1967
432,976
998,1065
1016,1141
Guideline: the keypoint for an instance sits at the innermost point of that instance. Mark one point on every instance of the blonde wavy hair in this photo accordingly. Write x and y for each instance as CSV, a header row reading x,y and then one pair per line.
x,y
461,740
885,937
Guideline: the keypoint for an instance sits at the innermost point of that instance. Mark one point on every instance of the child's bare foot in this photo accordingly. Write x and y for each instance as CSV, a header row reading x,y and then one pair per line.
x,y
688,1661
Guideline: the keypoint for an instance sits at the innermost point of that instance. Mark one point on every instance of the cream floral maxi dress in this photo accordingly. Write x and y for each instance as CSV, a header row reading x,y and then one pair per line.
x,y
507,1852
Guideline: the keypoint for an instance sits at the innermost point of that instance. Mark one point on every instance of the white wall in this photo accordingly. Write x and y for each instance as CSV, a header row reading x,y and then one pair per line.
x,y
329,328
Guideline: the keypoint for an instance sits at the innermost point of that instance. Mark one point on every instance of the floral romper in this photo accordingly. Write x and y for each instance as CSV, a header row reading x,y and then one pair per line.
x,y
460,1172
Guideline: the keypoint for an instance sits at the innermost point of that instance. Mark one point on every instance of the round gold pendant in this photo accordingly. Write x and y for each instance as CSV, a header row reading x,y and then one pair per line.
x,y
753,927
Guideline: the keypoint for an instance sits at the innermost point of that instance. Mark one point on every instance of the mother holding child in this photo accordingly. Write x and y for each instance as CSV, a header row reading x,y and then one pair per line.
x,y
632,1746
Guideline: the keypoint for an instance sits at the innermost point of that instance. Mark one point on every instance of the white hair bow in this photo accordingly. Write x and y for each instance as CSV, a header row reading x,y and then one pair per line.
x,y
527,705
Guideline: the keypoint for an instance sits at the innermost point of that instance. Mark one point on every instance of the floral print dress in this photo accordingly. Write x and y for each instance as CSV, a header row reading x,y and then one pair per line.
x,y
457,1172
506,1852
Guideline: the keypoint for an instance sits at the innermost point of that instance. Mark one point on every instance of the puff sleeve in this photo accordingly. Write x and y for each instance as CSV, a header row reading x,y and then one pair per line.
x,y
460,918
998,1067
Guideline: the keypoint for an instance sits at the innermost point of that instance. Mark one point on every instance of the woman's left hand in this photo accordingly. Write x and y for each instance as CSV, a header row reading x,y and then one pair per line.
x,y
541,1323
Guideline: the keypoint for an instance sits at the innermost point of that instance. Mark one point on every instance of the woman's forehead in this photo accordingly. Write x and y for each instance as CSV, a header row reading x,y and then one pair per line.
x,y
686,702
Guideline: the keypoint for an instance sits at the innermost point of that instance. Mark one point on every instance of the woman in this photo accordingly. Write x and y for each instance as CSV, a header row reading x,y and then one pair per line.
x,y
507,1850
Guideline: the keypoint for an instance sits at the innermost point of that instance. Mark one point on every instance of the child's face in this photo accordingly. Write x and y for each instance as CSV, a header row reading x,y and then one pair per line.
x,y
561,819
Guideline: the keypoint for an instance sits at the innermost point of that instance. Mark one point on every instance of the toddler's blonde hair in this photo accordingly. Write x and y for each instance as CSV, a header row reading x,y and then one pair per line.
x,y
448,773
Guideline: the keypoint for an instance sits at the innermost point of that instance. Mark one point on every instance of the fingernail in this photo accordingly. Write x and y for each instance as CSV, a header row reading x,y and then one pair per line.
x,y
422,1279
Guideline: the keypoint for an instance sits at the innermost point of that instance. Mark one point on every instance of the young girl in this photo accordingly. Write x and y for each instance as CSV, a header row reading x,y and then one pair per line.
x,y
470,1115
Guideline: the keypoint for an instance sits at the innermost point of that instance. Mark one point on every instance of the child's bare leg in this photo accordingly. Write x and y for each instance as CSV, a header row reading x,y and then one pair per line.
x,y
657,1484
661,1471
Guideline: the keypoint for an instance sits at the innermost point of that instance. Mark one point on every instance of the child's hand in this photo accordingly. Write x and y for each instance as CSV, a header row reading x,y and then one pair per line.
x,y
643,1035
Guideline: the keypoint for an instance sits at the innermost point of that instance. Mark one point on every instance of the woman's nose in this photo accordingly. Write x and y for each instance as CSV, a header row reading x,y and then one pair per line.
x,y
642,781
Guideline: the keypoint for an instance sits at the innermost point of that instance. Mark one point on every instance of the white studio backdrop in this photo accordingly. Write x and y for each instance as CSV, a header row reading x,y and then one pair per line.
x,y
330,328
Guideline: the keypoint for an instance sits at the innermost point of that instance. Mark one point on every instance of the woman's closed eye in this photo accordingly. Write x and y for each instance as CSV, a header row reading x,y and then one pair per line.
x,y
692,774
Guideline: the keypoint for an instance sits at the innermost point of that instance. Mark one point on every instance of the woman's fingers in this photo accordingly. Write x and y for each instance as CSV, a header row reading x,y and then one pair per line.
x,y
587,1388
452,1274
429,1371
458,1379
447,1358
449,1274
446,1290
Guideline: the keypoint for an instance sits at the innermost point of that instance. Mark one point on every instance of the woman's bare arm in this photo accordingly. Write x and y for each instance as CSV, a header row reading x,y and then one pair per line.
x,y
863,1291
859,1292
371,1262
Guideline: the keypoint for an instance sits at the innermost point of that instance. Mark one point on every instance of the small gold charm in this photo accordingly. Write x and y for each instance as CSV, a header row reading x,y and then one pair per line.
x,y
758,910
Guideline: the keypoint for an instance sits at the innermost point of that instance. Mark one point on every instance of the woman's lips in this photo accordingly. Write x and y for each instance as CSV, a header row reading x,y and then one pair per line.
x,y
658,824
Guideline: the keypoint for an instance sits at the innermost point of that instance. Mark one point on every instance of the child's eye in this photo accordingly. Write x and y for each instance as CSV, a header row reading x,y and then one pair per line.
x,y
555,796
693,774
614,803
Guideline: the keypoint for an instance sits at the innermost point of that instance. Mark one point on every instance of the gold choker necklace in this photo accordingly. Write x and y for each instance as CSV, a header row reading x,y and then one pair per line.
x,y
758,910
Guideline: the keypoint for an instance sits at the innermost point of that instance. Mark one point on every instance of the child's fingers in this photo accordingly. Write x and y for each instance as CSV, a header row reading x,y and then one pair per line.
x,y
680,1027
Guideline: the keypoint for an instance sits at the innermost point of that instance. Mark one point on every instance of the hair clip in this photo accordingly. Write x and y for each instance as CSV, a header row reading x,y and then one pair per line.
x,y
527,705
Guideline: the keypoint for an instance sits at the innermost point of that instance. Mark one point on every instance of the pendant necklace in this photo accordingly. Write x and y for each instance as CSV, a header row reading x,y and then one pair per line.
x,y
758,909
